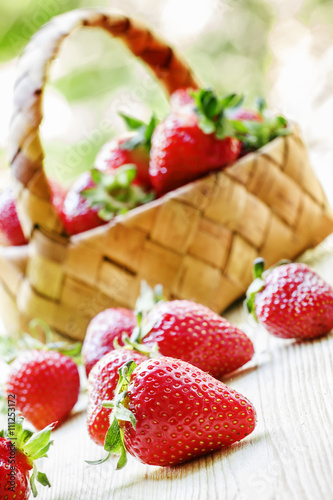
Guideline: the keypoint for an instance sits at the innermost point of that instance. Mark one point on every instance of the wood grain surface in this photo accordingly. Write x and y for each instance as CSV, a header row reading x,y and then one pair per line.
x,y
288,456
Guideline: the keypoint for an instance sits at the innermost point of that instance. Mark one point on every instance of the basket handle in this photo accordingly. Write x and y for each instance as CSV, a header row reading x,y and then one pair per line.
x,y
25,148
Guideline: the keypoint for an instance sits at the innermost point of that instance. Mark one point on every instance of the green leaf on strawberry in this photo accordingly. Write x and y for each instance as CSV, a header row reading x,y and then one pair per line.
x,y
216,116
115,193
144,132
29,447
211,112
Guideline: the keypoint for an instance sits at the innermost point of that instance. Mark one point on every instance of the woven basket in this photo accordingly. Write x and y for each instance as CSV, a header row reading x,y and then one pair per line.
x,y
199,241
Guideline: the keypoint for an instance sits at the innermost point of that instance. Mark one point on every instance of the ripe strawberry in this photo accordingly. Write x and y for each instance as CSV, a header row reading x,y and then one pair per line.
x,y
105,328
78,214
192,332
171,412
244,114
10,226
46,385
19,448
291,301
181,100
186,146
97,197
102,383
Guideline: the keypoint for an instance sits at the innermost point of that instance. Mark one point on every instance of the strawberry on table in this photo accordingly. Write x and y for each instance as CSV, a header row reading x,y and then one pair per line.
x,y
10,226
45,382
291,301
167,412
186,146
194,333
19,448
102,383
105,328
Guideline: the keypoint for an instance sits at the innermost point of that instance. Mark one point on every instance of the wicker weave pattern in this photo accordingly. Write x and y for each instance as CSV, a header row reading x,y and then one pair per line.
x,y
199,241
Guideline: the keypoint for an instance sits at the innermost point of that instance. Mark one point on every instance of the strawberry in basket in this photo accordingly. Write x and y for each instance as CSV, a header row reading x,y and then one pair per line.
x,y
119,182
187,145
10,227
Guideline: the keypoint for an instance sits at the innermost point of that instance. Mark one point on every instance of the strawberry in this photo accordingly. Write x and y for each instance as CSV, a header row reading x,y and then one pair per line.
x,y
102,383
10,226
105,328
245,114
19,448
45,382
186,146
291,301
255,128
166,412
192,332
132,148
78,214
96,197
181,100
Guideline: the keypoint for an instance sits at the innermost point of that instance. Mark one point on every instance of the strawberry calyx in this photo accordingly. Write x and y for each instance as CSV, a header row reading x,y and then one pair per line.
x,y
143,132
32,445
146,301
257,285
114,439
255,133
115,193
212,112
215,115
10,347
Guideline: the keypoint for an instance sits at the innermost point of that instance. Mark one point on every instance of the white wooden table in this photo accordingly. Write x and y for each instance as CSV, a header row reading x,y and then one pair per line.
x,y
288,456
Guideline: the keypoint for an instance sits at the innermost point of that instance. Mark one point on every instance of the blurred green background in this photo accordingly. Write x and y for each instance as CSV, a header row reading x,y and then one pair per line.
x,y
256,47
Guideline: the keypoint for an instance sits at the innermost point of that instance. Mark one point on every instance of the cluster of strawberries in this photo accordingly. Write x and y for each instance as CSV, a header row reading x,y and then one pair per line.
x,y
202,133
153,374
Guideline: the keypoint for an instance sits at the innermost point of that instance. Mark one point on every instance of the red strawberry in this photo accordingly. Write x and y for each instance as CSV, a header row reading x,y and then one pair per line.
x,y
19,448
10,226
245,114
171,412
46,385
78,214
105,328
97,197
186,146
291,301
102,383
114,154
182,100
133,148
192,332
